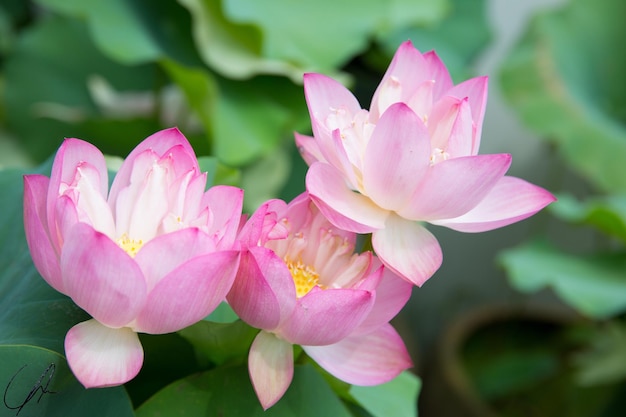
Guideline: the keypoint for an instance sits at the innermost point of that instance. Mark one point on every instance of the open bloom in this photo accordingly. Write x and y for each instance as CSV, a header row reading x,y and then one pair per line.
x,y
300,282
412,158
153,255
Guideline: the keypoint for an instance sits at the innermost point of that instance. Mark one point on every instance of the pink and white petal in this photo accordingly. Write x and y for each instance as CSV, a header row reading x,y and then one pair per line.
x,y
100,356
455,186
408,249
438,72
441,120
369,359
264,224
407,70
270,364
396,158
461,139
101,278
225,202
263,293
392,294
309,148
163,254
511,200
91,203
189,293
159,143
343,207
41,248
475,89
325,95
323,317
72,154
149,205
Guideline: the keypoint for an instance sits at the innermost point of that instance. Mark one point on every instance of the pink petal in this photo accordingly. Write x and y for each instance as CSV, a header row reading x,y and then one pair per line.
x,y
264,224
453,187
72,154
263,293
407,70
437,71
408,249
41,249
331,106
370,359
270,363
188,293
323,317
392,294
511,200
396,158
159,142
460,140
225,203
343,207
442,119
309,149
324,95
163,254
475,90
100,356
101,278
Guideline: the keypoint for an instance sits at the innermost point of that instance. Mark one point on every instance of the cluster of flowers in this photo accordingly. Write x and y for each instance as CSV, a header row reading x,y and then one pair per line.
x,y
157,253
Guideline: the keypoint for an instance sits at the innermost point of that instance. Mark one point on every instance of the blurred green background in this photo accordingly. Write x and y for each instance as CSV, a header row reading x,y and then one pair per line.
x,y
523,321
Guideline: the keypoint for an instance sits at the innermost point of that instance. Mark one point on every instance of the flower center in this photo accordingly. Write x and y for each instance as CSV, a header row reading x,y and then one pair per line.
x,y
304,277
131,246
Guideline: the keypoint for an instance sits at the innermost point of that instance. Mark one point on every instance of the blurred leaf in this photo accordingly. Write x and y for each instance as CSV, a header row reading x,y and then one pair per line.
x,y
244,120
459,34
136,31
223,314
218,173
220,342
34,319
605,361
265,178
608,214
397,397
231,49
567,83
594,285
47,96
243,38
227,391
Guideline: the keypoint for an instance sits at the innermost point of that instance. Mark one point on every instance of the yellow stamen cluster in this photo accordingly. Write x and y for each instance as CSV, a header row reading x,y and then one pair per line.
x,y
304,277
131,246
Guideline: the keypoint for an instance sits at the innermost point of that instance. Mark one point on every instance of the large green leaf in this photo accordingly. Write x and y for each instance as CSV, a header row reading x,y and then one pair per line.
x,y
397,397
227,391
220,342
566,80
594,285
33,321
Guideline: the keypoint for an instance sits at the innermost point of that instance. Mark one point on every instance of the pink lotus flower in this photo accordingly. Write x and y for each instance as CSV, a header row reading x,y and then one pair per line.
x,y
300,282
154,256
412,158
